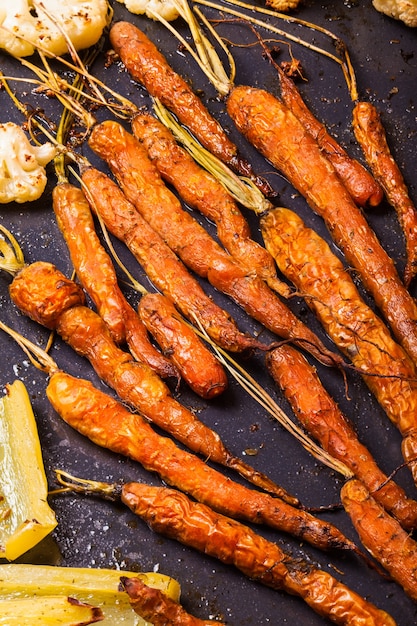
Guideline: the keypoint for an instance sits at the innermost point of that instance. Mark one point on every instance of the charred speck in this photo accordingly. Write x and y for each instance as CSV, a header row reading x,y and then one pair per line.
x,y
407,56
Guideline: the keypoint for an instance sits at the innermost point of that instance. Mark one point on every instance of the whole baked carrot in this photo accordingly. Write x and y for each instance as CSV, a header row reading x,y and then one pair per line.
x,y
197,364
282,139
381,534
143,186
185,354
162,266
148,66
363,188
371,135
307,260
34,289
109,424
202,191
96,273
174,515
323,419
154,606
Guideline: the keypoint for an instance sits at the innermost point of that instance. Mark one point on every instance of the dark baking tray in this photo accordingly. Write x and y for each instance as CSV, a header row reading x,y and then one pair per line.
x,y
93,533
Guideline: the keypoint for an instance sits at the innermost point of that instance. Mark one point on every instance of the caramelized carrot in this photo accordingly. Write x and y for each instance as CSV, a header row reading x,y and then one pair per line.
x,y
109,424
202,191
148,66
154,606
135,383
197,364
143,186
171,513
96,272
381,534
307,260
162,266
282,139
174,515
187,356
371,135
363,188
323,420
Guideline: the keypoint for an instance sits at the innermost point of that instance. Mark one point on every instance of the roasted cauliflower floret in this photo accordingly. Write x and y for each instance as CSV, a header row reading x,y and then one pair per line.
x,y
404,10
282,6
22,165
165,8
24,25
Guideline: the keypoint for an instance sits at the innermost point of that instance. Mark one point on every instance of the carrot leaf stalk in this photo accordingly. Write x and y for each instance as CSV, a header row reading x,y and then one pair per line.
x,y
240,188
256,391
204,54
11,255
342,58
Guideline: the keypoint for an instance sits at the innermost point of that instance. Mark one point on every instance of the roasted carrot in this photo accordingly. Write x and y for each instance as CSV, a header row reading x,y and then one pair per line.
x,y
97,275
363,188
143,186
202,191
381,534
307,260
173,514
162,266
323,419
154,606
109,424
370,133
148,66
185,354
198,365
134,382
280,137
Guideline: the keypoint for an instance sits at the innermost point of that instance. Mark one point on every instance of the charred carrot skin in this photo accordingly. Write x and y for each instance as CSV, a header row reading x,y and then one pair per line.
x,y
135,383
323,419
202,191
363,188
271,127
148,66
162,266
171,513
111,425
153,605
197,364
307,260
381,534
96,272
143,186
371,135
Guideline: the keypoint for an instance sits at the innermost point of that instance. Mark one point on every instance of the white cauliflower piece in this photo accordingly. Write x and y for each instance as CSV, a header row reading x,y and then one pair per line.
x,y
82,20
22,165
404,10
165,8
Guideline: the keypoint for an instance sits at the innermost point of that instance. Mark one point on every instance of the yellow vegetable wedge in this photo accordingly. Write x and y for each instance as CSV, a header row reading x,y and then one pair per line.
x,y
25,515
97,587
47,611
